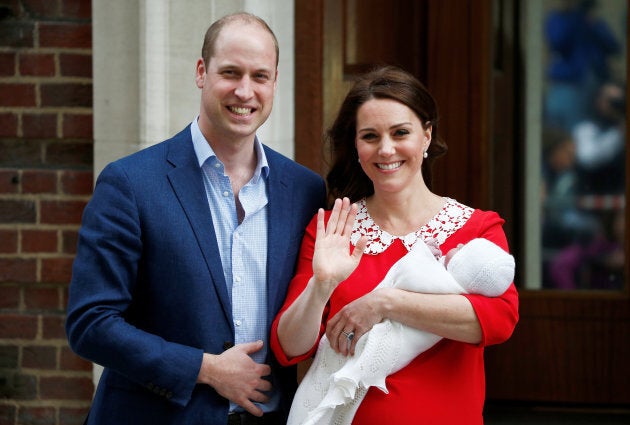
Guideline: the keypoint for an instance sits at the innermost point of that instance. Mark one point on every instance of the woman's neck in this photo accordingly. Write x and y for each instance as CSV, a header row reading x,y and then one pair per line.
x,y
401,214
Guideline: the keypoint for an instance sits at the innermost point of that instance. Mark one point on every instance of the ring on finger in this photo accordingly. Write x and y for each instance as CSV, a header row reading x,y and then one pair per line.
x,y
349,337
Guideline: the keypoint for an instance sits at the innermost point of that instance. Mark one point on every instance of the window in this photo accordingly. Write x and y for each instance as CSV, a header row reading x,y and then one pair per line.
x,y
575,126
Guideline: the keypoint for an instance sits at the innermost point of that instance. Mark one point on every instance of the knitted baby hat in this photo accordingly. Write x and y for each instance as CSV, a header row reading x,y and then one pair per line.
x,y
482,267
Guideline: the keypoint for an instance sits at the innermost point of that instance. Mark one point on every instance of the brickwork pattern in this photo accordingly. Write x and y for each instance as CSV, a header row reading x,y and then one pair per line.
x,y
46,145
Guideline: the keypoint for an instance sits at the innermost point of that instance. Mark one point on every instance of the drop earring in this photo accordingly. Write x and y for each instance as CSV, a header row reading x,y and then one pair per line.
x,y
425,155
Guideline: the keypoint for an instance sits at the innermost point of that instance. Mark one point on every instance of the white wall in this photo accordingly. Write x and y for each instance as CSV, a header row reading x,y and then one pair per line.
x,y
144,66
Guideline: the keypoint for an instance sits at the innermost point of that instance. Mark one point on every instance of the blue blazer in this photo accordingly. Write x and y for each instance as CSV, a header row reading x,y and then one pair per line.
x,y
148,295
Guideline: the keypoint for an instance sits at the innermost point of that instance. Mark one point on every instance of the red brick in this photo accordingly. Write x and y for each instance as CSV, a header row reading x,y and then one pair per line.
x,y
76,9
75,65
72,416
19,211
36,415
53,327
56,270
35,240
69,241
39,181
18,326
37,64
9,297
40,8
7,64
71,95
19,386
65,35
39,126
16,34
64,388
8,124
78,126
8,414
61,212
16,94
9,181
8,241
70,361
64,295
39,298
17,270
77,182
9,358
39,357
17,154
70,155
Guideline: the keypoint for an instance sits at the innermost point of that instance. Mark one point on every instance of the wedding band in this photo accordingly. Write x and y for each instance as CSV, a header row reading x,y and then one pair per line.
x,y
349,335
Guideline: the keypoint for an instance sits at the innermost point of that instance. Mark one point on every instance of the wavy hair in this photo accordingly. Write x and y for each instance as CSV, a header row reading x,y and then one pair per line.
x,y
346,177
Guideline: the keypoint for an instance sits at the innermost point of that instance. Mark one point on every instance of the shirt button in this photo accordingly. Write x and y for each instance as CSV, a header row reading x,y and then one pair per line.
x,y
217,165
237,278
226,193
237,323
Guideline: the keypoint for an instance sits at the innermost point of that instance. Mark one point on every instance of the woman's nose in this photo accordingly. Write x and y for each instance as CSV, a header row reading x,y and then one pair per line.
x,y
386,147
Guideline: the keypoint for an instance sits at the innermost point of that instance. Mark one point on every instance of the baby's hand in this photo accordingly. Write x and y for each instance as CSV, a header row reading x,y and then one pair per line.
x,y
434,247
450,254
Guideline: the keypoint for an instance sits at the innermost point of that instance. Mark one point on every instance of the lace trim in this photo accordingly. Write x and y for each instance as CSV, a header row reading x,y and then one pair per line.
x,y
447,221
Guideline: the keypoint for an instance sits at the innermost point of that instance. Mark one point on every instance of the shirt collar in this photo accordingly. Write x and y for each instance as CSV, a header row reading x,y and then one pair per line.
x,y
204,151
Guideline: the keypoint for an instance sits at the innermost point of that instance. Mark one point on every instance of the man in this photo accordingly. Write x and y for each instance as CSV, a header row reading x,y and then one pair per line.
x,y
186,250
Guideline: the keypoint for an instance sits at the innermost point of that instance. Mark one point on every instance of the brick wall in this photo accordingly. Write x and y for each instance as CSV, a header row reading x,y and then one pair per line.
x,y
45,181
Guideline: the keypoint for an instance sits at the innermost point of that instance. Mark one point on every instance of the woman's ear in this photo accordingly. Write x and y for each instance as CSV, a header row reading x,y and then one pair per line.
x,y
428,129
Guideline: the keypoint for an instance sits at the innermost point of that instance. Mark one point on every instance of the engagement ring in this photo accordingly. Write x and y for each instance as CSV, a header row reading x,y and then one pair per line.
x,y
349,337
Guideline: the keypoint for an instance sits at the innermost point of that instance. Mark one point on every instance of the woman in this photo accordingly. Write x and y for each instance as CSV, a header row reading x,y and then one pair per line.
x,y
383,143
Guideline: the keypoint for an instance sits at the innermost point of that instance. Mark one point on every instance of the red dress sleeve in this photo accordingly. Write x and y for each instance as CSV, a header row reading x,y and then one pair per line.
x,y
497,316
304,271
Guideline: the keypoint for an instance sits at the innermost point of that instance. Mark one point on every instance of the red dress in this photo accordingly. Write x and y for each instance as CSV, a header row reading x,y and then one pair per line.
x,y
446,384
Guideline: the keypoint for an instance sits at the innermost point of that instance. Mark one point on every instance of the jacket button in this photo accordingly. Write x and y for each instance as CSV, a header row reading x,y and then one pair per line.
x,y
227,345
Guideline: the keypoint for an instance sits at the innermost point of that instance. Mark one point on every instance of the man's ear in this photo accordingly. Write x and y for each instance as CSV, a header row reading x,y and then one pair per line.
x,y
200,73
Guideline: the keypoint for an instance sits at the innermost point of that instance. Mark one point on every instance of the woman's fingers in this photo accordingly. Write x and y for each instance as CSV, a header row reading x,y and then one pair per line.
x,y
331,226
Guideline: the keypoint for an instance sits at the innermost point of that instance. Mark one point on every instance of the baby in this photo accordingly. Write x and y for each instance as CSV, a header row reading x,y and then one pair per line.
x,y
335,385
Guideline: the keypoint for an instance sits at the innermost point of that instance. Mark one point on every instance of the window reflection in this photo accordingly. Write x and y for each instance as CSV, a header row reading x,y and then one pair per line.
x,y
583,144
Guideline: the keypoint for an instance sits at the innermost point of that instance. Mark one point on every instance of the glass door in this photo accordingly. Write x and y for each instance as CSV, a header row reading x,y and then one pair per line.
x,y
575,134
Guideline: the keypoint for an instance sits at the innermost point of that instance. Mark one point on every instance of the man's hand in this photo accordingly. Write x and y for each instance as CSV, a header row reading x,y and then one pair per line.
x,y
235,376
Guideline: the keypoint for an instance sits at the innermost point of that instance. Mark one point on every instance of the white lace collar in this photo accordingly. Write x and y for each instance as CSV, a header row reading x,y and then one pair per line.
x,y
447,221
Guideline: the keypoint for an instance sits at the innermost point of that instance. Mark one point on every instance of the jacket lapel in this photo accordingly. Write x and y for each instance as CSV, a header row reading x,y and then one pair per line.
x,y
279,225
187,182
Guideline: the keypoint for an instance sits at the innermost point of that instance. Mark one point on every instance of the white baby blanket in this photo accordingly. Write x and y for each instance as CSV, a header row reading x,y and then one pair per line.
x,y
334,385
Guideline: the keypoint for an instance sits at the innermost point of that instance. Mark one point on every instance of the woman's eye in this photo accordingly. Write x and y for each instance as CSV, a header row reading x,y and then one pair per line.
x,y
368,136
401,132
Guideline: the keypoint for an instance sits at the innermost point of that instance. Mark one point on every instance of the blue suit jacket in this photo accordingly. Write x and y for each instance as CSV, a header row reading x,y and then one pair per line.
x,y
148,295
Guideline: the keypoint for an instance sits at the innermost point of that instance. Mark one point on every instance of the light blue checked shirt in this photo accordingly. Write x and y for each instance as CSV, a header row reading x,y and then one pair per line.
x,y
243,247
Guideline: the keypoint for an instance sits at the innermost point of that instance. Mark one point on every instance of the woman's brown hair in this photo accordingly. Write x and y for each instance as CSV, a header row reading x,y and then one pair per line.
x,y
346,177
